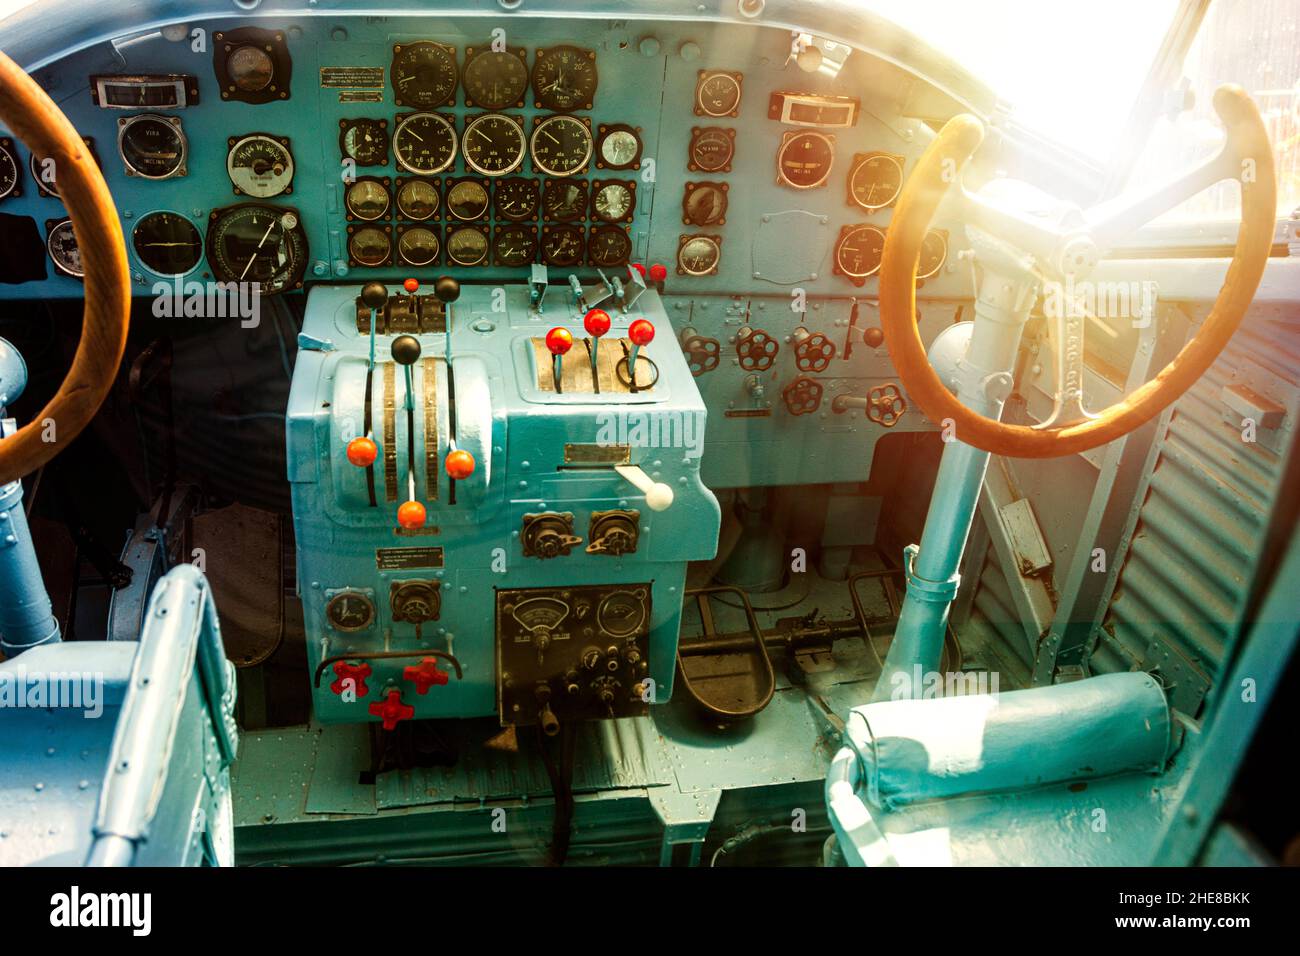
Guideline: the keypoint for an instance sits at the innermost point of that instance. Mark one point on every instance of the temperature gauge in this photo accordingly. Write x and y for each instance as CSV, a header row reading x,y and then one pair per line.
x,y
717,93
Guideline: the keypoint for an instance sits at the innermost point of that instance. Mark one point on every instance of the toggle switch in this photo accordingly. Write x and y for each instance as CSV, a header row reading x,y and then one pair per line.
x,y
658,496
362,452
558,341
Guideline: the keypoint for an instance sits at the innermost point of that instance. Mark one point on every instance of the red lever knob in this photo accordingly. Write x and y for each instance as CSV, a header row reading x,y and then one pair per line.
x,y
411,515
391,709
362,452
639,268
559,340
425,674
658,272
459,464
596,322
411,285
641,332
357,673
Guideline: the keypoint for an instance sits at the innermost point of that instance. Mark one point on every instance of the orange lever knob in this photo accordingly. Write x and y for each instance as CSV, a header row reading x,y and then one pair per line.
x,y
410,515
459,464
362,452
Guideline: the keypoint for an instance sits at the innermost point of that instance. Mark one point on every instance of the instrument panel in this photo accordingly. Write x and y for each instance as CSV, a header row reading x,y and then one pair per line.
x,y
369,149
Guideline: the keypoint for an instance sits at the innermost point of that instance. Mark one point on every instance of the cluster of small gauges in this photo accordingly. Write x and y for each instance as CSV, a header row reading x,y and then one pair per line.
x,y
424,213
711,150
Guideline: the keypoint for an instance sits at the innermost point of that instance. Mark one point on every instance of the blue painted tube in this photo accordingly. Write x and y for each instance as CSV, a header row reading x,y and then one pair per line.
x,y
914,750
860,840
26,617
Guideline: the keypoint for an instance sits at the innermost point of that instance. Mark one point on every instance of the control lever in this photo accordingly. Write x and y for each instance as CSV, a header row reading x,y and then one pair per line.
x,y
597,323
641,332
579,296
447,290
374,296
635,286
658,496
558,341
406,352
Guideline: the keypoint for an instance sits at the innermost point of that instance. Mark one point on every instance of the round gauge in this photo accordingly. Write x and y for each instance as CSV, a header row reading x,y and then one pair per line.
x,y
495,80
564,200
705,204
562,245
620,147
424,143
167,244
152,146
418,246
260,166
561,145
256,243
804,160
516,199
934,250
364,141
366,199
417,199
493,144
250,68
717,94
698,255
8,170
621,613
350,611
467,246
564,78
370,246
609,246
613,202
61,244
875,181
712,149
424,74
515,246
859,250
48,181
467,199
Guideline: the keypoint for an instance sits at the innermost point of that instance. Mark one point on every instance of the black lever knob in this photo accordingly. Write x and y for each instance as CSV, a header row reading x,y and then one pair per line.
x,y
374,295
406,349
446,289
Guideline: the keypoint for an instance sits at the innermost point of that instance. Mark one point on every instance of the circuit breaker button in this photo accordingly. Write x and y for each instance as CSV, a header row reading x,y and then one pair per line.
x,y
425,674
391,710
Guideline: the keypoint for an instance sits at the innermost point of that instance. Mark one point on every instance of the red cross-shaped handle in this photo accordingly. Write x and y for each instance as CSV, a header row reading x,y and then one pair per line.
x,y
357,673
425,674
392,710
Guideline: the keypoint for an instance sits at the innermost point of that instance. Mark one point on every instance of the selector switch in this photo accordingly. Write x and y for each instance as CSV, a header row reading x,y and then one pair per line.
x,y
548,535
415,602
614,533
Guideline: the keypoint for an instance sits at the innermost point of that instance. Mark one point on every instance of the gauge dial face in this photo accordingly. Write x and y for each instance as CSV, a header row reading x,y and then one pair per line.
x,y
151,146
495,80
350,611
561,145
934,250
44,174
424,75
562,245
8,170
875,180
564,78
614,202
514,246
698,255
364,141
260,166
705,204
620,147
367,199
418,200
424,143
717,94
609,246
251,68
61,244
564,200
859,251
467,199
712,149
494,144
467,246
622,613
167,244
517,199
256,243
804,160
418,247
370,246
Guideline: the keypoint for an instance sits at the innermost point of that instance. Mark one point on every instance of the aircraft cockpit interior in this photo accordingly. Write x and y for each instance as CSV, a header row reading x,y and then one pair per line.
x,y
678,433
